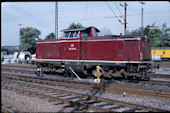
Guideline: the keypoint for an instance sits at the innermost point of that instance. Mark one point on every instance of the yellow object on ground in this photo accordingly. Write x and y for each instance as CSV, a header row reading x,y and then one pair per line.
x,y
97,74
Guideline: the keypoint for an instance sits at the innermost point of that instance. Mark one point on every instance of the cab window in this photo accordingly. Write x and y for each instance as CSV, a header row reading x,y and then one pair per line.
x,y
76,33
72,34
84,34
66,35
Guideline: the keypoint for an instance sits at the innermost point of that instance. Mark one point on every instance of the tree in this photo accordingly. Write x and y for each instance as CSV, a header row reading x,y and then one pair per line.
x,y
165,36
5,50
28,39
75,26
105,31
159,37
50,36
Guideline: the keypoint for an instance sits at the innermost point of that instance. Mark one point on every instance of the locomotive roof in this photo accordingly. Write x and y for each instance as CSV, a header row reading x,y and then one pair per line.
x,y
79,29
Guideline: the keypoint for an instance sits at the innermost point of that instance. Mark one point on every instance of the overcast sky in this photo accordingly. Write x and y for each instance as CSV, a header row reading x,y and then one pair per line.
x,y
41,15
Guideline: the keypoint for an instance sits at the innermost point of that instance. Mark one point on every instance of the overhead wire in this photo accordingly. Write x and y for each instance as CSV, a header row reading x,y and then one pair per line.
x,y
118,9
114,13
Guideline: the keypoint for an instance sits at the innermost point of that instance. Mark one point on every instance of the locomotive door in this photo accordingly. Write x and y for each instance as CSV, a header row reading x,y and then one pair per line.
x,y
70,45
70,50
40,51
131,50
88,49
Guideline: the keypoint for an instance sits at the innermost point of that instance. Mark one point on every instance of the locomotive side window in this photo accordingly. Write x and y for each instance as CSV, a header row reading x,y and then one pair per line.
x,y
71,34
84,34
76,33
66,35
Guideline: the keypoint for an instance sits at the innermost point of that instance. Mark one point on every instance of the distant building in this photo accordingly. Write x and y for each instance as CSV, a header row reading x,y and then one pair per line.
x,y
4,52
11,49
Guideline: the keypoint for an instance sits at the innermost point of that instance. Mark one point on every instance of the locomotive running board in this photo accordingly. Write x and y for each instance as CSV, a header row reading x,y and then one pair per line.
x,y
102,61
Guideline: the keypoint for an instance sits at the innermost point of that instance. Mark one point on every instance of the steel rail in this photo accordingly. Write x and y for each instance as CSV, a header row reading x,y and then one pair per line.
x,y
21,70
100,87
167,83
158,75
163,64
58,99
5,66
87,96
19,66
6,110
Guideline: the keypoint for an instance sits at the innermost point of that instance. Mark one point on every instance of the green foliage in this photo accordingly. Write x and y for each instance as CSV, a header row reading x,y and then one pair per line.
x,y
75,26
159,37
5,50
28,39
50,36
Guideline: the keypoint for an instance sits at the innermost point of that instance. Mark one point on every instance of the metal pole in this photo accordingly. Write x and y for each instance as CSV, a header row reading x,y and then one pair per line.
x,y
56,20
142,27
20,36
142,19
125,20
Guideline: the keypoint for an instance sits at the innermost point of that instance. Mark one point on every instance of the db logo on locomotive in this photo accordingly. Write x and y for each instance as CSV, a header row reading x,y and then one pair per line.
x,y
72,47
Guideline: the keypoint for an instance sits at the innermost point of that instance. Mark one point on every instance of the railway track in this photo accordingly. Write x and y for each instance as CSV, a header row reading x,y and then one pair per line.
x,y
26,66
19,69
158,76
79,100
32,70
165,83
22,77
93,86
6,110
163,64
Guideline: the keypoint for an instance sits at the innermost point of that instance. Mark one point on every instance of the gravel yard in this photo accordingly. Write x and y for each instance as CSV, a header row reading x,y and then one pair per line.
x,y
163,70
26,103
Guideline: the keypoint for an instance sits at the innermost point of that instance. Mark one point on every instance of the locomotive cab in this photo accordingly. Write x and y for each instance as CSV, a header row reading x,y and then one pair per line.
x,y
79,33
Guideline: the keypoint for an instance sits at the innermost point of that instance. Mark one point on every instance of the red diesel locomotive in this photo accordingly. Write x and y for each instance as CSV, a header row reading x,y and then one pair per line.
x,y
82,50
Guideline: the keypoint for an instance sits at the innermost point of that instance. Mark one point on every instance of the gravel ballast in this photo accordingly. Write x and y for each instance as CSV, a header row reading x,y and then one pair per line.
x,y
33,104
26,103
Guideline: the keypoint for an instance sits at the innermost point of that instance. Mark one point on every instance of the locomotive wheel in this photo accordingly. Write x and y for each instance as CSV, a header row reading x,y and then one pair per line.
x,y
134,77
84,71
67,74
143,75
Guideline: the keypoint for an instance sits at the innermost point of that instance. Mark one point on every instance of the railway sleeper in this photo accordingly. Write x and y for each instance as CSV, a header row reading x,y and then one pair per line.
x,y
85,96
72,103
157,91
58,99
